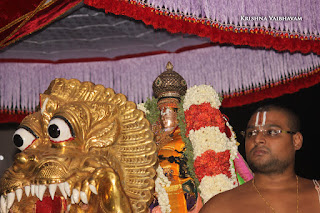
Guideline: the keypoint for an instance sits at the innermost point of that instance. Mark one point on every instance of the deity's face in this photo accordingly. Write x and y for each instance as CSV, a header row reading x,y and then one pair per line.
x,y
169,114
169,118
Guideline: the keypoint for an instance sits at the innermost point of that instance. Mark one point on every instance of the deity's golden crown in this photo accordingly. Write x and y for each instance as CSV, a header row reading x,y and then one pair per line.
x,y
169,84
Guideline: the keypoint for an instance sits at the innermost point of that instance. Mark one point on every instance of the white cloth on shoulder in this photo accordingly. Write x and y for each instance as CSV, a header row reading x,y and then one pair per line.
x,y
317,186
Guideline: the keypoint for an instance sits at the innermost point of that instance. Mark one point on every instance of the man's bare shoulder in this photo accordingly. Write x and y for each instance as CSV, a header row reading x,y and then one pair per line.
x,y
308,194
222,202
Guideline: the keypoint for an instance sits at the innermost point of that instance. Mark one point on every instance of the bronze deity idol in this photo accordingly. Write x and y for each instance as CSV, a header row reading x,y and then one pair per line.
x,y
87,149
168,88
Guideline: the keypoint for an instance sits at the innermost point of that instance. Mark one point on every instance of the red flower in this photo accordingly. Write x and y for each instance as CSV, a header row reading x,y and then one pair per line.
x,y
203,115
211,163
228,131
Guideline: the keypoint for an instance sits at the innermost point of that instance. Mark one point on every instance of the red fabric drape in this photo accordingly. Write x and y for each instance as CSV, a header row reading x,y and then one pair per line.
x,y
19,18
12,117
287,86
173,24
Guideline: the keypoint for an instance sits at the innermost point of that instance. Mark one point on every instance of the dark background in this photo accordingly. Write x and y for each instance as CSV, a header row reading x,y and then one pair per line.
x,y
305,103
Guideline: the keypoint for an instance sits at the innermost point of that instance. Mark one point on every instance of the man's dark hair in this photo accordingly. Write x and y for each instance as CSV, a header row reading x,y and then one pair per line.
x,y
293,118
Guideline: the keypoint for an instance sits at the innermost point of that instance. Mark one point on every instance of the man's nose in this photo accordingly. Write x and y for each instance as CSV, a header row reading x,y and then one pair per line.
x,y
260,137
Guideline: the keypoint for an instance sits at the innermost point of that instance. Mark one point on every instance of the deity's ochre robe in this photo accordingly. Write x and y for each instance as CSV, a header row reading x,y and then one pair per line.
x,y
170,157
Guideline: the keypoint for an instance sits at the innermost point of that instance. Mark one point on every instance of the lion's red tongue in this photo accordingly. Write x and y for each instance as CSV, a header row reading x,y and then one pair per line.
x,y
47,205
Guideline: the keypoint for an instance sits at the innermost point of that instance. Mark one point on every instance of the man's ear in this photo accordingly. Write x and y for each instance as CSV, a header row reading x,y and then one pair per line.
x,y
297,140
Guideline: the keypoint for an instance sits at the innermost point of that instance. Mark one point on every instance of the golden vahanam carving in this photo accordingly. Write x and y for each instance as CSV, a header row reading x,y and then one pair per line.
x,y
103,162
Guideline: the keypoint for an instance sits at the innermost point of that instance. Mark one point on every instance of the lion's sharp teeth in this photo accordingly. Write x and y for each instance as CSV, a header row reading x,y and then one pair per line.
x,y
63,192
3,204
76,195
52,190
84,197
68,208
72,200
42,189
27,190
36,190
32,188
93,189
10,199
19,194
67,188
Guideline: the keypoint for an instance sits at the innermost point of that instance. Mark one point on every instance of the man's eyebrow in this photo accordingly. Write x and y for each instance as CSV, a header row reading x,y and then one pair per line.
x,y
250,127
273,125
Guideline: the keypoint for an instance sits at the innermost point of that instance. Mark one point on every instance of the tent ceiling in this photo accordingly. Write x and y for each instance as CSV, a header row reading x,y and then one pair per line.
x,y
90,33
247,62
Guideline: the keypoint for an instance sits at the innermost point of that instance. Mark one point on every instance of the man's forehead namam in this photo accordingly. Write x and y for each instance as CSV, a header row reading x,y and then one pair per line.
x,y
268,118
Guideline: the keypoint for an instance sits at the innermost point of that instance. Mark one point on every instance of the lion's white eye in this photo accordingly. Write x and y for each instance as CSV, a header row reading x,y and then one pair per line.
x,y
60,130
23,138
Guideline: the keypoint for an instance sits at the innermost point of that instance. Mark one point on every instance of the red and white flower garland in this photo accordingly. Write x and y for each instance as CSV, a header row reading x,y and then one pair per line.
x,y
213,141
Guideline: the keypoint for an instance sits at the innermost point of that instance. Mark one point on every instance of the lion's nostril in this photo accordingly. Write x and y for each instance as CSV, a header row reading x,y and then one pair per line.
x,y
22,158
32,158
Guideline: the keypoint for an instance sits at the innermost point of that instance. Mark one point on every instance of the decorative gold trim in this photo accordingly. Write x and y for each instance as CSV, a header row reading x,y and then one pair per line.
x,y
22,17
40,7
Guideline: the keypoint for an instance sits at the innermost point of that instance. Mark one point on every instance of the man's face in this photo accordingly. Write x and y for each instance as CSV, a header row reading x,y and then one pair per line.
x,y
267,152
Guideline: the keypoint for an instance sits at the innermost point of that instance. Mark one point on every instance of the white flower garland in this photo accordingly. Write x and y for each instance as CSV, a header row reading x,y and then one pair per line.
x,y
233,143
142,108
206,138
213,185
200,94
211,138
233,178
161,182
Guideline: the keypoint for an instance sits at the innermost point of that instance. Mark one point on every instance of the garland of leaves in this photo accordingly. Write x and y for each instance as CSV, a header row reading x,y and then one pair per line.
x,y
152,107
189,149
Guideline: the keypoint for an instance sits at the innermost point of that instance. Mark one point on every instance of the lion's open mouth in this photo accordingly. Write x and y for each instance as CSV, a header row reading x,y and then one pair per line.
x,y
49,205
45,198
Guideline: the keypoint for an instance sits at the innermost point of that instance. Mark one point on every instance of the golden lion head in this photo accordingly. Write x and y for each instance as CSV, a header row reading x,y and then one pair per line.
x,y
87,149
